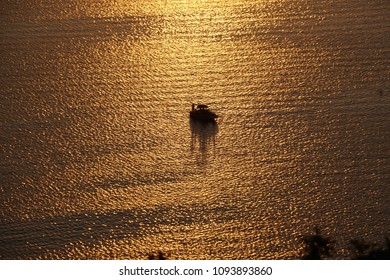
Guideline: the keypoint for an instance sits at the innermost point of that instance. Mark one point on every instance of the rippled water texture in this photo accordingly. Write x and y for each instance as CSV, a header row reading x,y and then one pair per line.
x,y
99,159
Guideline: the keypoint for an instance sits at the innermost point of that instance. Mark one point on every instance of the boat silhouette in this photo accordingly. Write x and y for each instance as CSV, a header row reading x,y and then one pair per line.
x,y
201,112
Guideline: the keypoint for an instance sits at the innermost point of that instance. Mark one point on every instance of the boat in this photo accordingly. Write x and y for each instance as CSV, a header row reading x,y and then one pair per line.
x,y
202,113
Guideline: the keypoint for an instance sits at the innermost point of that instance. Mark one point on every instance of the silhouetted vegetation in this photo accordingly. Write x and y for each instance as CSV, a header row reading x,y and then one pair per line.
x,y
319,247
158,256
366,251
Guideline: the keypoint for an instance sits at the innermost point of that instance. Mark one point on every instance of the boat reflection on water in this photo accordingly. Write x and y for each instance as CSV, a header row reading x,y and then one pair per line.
x,y
203,136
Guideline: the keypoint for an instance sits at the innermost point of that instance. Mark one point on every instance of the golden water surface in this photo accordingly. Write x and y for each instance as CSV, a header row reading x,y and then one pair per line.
x,y
99,159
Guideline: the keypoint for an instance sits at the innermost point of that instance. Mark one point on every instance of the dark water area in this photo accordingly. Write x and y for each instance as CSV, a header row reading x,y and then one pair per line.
x,y
99,159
